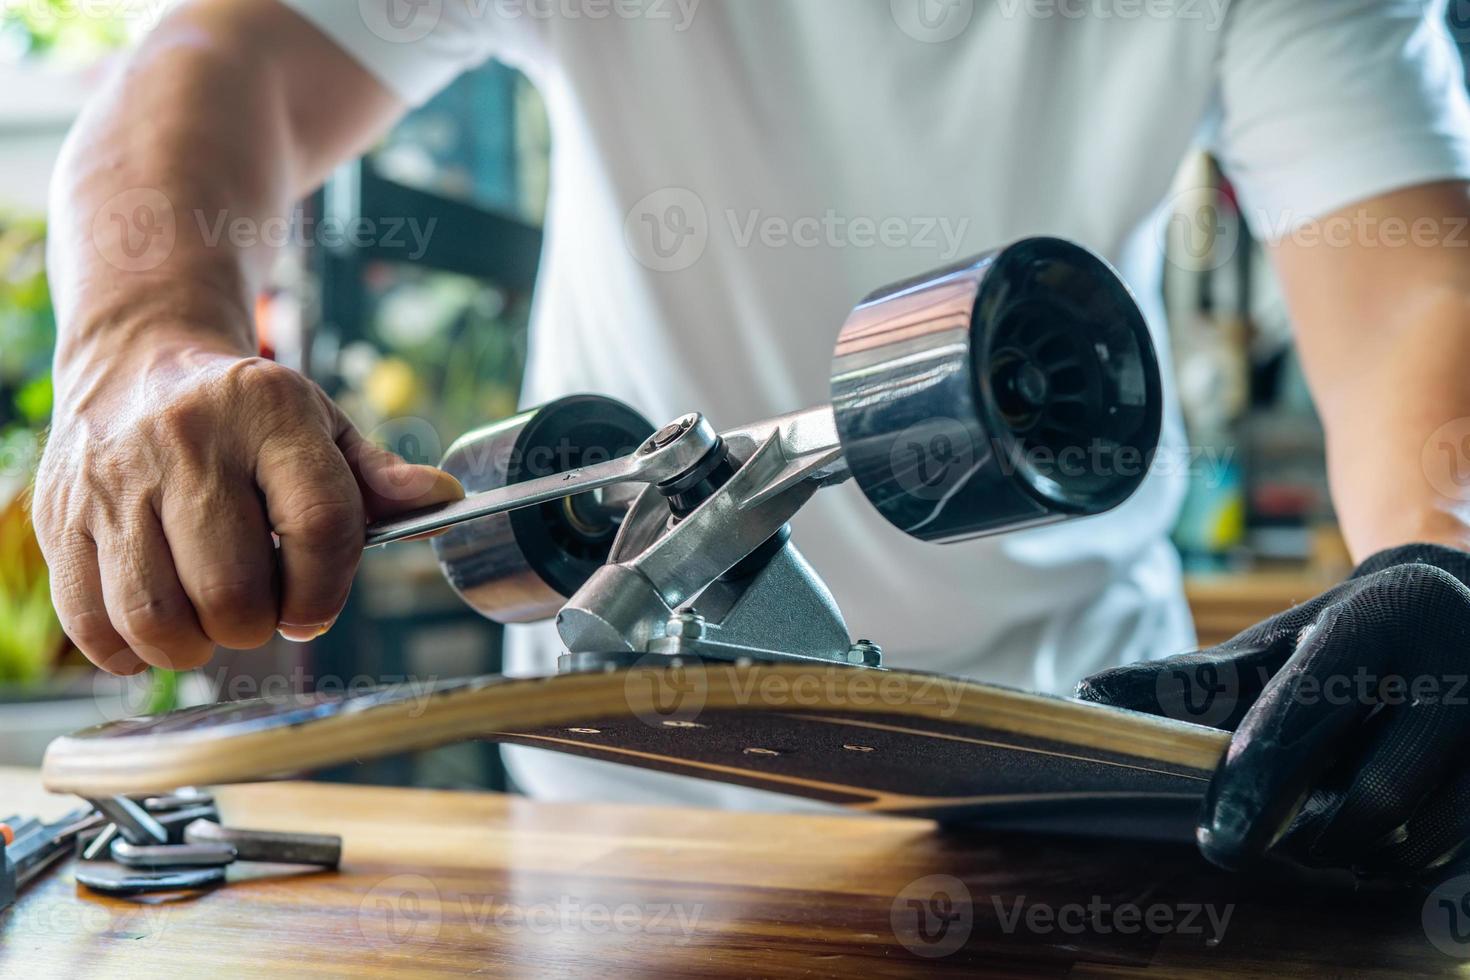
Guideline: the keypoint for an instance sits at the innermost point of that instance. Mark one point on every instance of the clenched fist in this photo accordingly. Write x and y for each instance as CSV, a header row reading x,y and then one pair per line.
x,y
168,470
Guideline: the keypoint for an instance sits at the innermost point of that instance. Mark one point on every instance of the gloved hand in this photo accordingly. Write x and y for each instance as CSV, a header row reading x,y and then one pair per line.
x,y
1351,715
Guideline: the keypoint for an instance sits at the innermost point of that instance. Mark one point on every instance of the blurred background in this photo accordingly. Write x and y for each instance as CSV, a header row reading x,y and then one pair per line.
x,y
417,342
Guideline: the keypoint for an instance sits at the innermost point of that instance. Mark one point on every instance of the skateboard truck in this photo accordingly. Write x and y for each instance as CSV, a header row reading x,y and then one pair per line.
x,y
1014,389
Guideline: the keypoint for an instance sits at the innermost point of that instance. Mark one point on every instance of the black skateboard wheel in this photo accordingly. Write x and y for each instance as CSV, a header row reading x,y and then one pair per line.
x,y
1014,389
522,566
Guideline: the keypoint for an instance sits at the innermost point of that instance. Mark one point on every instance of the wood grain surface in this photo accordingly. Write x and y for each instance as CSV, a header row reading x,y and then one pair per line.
x,y
438,884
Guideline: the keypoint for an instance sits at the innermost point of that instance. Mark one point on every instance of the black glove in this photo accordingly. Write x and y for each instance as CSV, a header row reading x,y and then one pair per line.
x,y
1351,715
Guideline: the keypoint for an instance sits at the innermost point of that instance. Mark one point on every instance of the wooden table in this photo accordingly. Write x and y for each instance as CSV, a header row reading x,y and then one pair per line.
x,y
446,884
1224,605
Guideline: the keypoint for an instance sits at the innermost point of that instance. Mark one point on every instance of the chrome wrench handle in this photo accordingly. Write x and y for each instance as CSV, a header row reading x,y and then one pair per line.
x,y
672,450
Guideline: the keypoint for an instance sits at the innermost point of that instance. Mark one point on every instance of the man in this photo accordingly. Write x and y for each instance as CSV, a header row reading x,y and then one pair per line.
x,y
728,178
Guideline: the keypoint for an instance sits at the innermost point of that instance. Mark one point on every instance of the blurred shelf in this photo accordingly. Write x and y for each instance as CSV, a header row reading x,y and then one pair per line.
x,y
43,100
1224,604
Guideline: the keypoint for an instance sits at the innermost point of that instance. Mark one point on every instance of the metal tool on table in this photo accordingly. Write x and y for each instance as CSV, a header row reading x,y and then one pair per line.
x,y
175,842
28,847
128,845
1015,389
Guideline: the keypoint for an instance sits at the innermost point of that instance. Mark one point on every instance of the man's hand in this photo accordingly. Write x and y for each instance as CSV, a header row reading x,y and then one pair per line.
x,y
168,469
174,454
1351,715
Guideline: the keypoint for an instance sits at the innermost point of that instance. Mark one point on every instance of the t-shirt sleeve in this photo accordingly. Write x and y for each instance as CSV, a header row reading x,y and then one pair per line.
x,y
1325,103
414,47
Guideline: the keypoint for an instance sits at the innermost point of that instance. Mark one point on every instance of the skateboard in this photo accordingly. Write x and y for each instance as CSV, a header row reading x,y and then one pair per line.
x,y
1010,390
887,742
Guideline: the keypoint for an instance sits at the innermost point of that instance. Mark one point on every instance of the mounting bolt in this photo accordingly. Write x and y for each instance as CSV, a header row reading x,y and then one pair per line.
x,y
686,625
865,652
670,433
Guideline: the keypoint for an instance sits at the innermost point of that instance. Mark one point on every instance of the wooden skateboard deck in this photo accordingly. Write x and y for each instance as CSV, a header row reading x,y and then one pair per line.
x,y
891,742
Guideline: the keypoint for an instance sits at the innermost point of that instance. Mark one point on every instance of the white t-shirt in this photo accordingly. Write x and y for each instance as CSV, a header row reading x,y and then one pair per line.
x,y
729,178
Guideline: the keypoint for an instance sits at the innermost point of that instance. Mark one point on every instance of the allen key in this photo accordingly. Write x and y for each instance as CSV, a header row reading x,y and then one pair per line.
x,y
268,846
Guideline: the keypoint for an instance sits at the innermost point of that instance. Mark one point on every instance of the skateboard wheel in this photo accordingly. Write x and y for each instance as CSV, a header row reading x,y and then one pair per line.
x,y
522,567
1013,389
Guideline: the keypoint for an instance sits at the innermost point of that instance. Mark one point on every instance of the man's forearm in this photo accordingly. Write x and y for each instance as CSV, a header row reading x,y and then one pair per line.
x,y
199,132
1399,437
1380,297
192,495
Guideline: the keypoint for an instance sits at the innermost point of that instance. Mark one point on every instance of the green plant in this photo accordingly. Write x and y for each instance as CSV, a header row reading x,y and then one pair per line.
x,y
30,637
69,30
